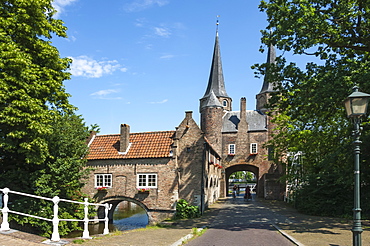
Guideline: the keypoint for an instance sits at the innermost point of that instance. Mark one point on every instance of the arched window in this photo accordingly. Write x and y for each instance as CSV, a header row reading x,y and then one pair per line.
x,y
224,103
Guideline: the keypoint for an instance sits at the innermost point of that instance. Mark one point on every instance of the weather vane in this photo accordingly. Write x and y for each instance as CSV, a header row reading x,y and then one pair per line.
x,y
217,22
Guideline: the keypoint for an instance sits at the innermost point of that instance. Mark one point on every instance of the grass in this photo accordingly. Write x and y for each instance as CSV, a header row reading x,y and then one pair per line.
x,y
111,234
196,232
79,241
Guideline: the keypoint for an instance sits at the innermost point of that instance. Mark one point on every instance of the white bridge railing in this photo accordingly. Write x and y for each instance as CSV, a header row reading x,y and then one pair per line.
x,y
55,220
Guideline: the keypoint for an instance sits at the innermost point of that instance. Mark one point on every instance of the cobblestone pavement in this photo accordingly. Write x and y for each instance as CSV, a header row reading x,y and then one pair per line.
x,y
242,222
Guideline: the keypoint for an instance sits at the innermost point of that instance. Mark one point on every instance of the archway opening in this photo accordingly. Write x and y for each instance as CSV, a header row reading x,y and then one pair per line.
x,y
243,175
242,180
128,216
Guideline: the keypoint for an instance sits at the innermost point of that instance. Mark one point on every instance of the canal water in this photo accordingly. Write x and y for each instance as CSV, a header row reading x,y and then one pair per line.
x,y
126,216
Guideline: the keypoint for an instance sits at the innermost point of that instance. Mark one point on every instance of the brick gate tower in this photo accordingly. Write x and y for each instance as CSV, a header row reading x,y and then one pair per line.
x,y
239,136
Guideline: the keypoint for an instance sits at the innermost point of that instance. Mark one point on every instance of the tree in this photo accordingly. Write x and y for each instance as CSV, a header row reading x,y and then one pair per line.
x,y
308,109
41,139
244,175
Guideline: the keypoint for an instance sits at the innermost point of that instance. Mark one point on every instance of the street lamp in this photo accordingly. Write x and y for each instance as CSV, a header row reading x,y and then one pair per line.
x,y
356,107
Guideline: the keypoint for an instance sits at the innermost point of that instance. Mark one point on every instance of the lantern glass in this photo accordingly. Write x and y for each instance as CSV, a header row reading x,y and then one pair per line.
x,y
359,105
347,105
356,106
356,103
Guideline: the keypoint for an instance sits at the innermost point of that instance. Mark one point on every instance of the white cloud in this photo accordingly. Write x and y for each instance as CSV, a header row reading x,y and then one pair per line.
x,y
163,101
162,32
138,5
102,94
140,22
71,38
60,4
167,57
87,67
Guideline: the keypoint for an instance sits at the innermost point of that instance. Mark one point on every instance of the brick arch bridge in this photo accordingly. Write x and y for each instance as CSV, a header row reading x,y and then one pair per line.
x,y
153,214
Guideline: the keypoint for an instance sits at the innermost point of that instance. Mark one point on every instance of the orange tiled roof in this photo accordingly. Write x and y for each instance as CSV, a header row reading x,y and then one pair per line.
x,y
143,145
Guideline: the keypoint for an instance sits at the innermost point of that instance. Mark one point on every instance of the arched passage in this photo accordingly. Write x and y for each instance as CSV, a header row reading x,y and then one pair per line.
x,y
114,201
241,167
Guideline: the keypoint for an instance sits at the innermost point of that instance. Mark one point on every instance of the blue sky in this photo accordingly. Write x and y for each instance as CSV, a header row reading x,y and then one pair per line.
x,y
146,62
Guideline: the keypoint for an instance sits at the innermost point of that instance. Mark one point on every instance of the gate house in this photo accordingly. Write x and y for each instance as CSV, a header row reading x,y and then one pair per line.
x,y
155,169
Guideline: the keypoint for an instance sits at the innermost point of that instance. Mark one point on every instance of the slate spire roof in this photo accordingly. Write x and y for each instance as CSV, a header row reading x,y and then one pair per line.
x,y
271,57
211,101
216,78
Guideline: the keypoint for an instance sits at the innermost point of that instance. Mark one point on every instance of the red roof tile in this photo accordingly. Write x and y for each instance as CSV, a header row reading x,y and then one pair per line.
x,y
142,145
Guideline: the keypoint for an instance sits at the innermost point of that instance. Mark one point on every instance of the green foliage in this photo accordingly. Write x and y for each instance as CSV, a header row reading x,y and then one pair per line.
x,y
42,141
248,176
325,196
186,211
308,111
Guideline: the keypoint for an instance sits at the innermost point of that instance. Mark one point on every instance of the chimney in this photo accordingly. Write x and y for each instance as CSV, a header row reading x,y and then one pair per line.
x,y
243,125
188,114
243,109
124,138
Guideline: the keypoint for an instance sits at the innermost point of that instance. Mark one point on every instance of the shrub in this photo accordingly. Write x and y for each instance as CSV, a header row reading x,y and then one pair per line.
x,y
186,211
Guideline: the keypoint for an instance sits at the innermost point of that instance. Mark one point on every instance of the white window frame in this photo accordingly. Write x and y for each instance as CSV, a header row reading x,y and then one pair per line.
x,y
231,149
224,103
103,180
142,180
254,148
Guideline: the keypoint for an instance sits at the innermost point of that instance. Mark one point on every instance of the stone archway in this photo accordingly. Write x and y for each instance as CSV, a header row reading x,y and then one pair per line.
x,y
242,167
114,201
154,215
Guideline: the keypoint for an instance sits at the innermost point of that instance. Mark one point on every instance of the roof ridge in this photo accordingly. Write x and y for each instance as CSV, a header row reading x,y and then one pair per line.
x,y
169,131
117,134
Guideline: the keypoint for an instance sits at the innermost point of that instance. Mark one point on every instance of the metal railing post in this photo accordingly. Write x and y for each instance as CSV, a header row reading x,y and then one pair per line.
x,y
85,234
106,229
55,236
5,224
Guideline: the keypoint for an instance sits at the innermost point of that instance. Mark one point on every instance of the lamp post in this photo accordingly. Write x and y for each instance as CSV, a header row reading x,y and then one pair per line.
x,y
356,107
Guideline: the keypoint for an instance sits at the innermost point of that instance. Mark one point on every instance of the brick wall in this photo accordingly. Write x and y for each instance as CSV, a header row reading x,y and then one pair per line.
x,y
124,180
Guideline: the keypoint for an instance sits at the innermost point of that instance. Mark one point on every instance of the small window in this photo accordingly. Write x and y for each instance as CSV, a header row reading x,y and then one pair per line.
x,y
231,149
254,148
224,103
103,180
147,180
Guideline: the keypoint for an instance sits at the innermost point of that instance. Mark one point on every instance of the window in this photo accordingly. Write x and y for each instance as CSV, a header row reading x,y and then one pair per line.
x,y
224,103
253,148
231,149
103,180
147,180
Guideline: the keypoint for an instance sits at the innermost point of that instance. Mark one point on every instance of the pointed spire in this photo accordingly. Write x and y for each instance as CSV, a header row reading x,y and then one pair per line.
x,y
271,58
216,79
